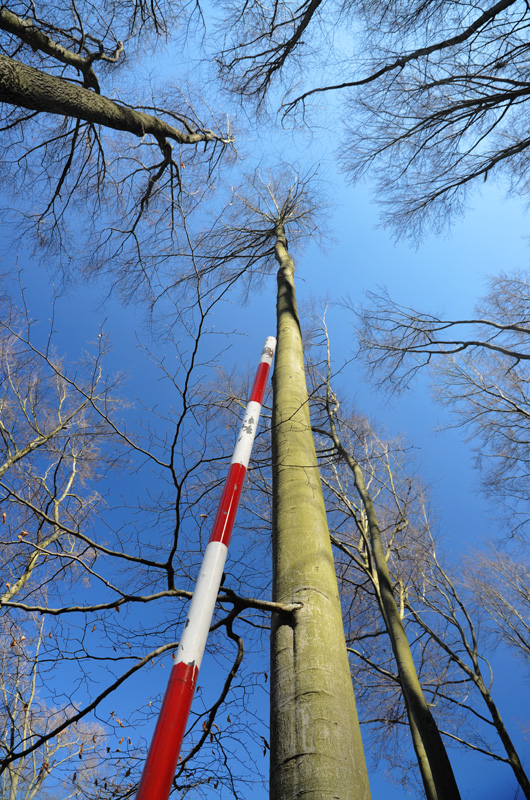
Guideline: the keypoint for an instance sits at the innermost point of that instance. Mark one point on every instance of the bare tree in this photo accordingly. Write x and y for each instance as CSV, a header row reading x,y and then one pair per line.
x,y
52,442
435,767
434,92
396,591
111,577
316,747
443,612
128,162
500,581
480,369
68,766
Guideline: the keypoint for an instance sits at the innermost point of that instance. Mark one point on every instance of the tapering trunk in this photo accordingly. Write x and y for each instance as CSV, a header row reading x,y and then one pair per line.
x,y
316,747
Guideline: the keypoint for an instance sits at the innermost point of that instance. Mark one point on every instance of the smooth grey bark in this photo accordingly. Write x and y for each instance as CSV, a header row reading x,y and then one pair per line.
x,y
316,747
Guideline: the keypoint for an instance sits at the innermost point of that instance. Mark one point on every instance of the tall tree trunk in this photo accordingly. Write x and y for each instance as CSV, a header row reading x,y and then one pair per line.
x,y
436,771
316,747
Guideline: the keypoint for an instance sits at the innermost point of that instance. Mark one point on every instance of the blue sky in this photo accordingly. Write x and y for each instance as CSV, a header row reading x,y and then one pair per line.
x,y
444,274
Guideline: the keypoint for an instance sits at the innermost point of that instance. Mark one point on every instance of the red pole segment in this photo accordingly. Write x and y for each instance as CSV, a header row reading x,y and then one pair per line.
x,y
162,759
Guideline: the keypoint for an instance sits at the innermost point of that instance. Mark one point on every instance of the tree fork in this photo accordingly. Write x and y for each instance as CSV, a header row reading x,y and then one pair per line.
x,y
316,747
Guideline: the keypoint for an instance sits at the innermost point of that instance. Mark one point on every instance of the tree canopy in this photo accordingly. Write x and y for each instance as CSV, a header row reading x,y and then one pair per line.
x,y
434,93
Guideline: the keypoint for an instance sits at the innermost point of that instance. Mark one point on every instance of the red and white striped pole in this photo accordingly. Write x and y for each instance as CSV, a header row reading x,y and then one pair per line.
x,y
162,759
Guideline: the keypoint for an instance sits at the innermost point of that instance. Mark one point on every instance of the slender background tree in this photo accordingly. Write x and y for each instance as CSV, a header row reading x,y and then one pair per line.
x,y
396,586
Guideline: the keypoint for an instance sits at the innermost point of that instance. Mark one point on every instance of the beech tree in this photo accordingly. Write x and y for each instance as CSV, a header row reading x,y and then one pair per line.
x,y
315,742
452,629
316,746
435,767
